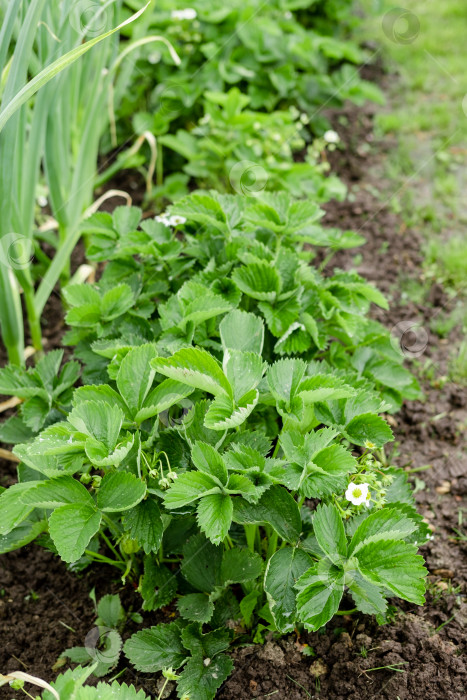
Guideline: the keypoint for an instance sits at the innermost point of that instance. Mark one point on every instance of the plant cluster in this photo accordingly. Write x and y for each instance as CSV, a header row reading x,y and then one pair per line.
x,y
219,434
230,385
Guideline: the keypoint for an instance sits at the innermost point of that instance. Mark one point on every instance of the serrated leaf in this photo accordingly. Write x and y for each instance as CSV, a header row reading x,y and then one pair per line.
x,y
208,460
320,593
283,570
330,532
276,507
13,510
224,413
284,378
116,301
387,523
199,681
144,524
202,563
240,565
57,492
196,607
396,566
98,420
214,515
166,394
259,281
244,331
367,597
110,610
243,370
156,648
71,528
158,585
135,376
189,487
371,427
120,491
196,368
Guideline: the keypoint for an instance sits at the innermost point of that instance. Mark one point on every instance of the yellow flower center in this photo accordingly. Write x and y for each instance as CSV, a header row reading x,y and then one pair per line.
x,y
357,493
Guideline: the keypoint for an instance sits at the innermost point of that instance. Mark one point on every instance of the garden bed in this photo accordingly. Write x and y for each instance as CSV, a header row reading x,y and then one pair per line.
x,y
44,608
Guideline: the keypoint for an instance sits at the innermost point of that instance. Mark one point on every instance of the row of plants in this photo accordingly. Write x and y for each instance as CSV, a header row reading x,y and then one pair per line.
x,y
219,434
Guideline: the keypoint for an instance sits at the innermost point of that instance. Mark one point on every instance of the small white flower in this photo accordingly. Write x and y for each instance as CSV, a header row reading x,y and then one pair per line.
x,y
288,15
163,219
187,13
177,220
331,136
358,494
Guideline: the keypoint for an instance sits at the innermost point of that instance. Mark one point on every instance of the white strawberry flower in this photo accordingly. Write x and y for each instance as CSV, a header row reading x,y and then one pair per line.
x,y
331,136
187,13
177,220
163,219
358,494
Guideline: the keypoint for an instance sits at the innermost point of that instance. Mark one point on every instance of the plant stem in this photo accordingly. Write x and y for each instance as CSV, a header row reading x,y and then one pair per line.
x,y
346,612
250,534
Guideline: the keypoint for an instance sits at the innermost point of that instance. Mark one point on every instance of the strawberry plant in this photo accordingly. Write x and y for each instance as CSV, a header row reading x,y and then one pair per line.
x,y
229,451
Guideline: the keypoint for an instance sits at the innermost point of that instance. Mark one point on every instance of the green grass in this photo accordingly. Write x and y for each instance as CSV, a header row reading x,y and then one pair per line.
x,y
425,119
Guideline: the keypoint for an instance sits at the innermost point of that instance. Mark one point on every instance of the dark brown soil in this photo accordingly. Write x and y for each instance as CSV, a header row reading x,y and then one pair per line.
x,y
419,655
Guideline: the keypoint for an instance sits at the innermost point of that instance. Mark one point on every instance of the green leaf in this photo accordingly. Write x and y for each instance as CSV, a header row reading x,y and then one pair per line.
x,y
224,413
276,507
283,570
330,532
202,563
244,331
196,368
158,585
321,591
369,426
387,523
199,681
117,301
144,524
284,377
214,515
13,510
259,281
22,534
99,420
135,376
120,491
110,610
208,460
367,596
248,604
243,370
156,648
189,487
196,607
396,566
240,565
71,528
166,394
57,492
